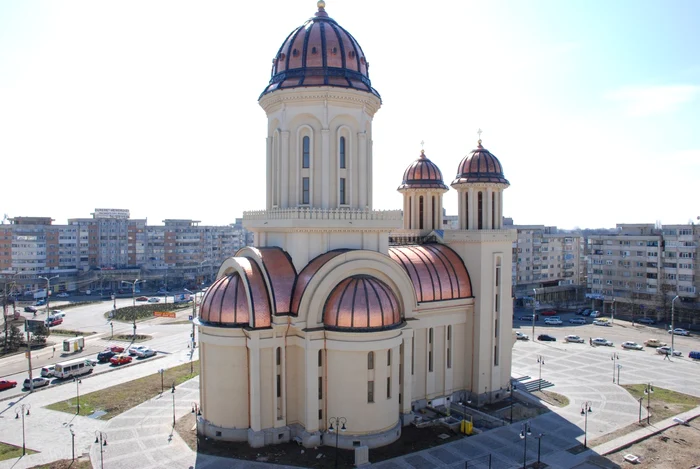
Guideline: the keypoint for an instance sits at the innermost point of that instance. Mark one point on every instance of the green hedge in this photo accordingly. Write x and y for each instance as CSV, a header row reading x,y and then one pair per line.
x,y
142,312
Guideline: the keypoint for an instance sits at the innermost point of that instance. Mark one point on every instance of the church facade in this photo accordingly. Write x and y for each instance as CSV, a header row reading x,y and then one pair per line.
x,y
343,318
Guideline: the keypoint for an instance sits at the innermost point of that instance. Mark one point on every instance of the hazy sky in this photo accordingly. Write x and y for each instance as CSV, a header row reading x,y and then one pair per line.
x,y
592,107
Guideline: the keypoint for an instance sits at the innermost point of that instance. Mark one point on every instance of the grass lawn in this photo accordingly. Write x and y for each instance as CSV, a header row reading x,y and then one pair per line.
x,y
70,332
11,451
118,399
79,463
664,403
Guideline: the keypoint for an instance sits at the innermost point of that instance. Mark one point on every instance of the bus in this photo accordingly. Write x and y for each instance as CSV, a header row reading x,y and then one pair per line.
x,y
72,368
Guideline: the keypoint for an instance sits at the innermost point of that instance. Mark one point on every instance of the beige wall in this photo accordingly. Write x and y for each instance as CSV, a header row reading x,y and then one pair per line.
x,y
225,370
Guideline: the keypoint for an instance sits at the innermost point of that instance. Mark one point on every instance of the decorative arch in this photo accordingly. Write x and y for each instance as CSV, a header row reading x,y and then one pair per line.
x,y
255,287
279,274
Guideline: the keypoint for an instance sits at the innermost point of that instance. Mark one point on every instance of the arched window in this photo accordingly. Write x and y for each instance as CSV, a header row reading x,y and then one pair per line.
x,y
480,211
493,210
435,226
410,212
320,357
466,215
306,152
420,212
370,361
341,152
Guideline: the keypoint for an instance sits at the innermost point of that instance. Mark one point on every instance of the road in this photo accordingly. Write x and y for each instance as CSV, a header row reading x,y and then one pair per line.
x,y
167,339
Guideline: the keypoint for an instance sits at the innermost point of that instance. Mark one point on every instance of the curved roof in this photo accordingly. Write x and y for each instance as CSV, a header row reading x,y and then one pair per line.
x,y
320,53
437,272
226,301
280,272
361,303
307,274
422,173
480,166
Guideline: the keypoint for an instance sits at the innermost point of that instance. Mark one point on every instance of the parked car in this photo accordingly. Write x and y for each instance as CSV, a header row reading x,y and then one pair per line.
x,y
40,303
141,298
63,295
666,350
548,312
646,321
30,309
595,314
654,343
145,352
7,384
528,317
586,312
631,345
679,331
115,348
53,321
120,359
134,350
580,311
601,341
577,321
103,357
57,313
521,336
47,371
546,338
573,338
601,322
38,382
154,300
553,322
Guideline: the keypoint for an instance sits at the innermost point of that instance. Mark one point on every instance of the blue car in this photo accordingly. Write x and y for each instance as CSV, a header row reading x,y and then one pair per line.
x,y
40,303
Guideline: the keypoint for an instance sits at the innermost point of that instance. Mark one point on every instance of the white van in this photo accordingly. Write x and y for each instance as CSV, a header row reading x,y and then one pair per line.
x,y
77,367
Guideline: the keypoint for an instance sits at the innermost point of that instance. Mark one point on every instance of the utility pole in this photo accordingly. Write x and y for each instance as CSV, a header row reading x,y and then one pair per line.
x,y
29,357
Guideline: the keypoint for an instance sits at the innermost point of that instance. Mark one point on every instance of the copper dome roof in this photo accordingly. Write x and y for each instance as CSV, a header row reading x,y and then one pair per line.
x,y
422,174
320,53
361,303
480,166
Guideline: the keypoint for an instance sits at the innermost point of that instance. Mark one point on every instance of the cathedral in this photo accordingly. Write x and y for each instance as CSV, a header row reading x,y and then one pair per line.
x,y
345,320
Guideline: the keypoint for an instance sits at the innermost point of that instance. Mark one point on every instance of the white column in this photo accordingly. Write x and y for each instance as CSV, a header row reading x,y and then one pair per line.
x,y
254,373
363,178
487,206
406,215
269,174
461,210
311,388
472,209
407,383
326,183
284,173
428,211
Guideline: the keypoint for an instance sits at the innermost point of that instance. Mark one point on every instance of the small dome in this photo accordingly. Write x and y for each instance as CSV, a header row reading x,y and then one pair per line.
x,y
225,303
480,166
422,174
320,53
361,303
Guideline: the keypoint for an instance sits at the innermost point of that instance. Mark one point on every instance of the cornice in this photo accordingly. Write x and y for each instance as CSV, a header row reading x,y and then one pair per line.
x,y
367,100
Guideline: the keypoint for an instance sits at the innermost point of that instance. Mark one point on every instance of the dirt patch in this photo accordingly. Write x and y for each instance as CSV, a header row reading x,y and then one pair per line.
x,y
674,448
82,462
552,398
412,439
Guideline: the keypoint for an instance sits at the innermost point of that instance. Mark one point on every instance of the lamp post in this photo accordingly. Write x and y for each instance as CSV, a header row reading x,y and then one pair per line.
x,y
648,390
133,289
612,312
511,388
114,304
101,438
162,372
673,326
524,432
614,357
540,360
21,410
539,447
640,409
172,391
72,443
77,393
534,307
48,289
585,410
619,367
111,326
340,424
194,315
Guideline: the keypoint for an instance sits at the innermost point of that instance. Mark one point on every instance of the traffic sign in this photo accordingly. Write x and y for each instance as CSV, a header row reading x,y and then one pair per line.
x,y
191,317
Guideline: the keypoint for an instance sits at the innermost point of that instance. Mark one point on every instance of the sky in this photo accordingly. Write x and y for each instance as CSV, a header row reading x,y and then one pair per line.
x,y
592,107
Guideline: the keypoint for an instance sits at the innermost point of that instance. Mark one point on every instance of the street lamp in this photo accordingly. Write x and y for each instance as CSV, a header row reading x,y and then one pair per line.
x,y
101,438
539,446
114,305
619,367
172,391
540,360
614,357
511,388
585,410
162,372
194,315
673,326
641,399
48,289
612,312
534,305
648,390
72,442
17,414
77,393
524,432
133,289
340,424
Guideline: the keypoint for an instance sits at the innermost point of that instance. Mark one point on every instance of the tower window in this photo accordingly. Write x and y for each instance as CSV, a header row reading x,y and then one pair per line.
x,y
320,387
493,211
342,191
466,209
480,211
279,356
370,391
435,215
388,387
420,212
388,357
305,191
341,152
306,152
320,357
370,361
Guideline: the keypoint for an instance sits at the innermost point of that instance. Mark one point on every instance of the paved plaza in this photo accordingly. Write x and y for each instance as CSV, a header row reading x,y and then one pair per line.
x,y
142,437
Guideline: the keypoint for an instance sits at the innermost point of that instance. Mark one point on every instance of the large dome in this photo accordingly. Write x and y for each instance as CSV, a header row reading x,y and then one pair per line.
x,y
480,166
422,174
361,303
320,53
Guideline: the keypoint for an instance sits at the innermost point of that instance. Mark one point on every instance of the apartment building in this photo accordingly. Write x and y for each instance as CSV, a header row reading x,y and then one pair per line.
x,y
647,265
110,247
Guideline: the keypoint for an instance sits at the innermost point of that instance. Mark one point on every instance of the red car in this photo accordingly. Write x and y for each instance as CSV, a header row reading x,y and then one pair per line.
x,y
141,298
120,359
548,312
115,348
5,384
53,321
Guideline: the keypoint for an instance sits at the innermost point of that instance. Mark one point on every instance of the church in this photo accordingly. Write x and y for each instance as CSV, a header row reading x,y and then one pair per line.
x,y
345,320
